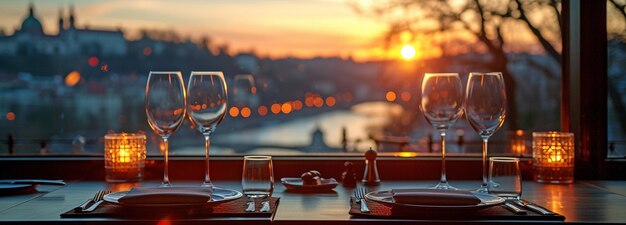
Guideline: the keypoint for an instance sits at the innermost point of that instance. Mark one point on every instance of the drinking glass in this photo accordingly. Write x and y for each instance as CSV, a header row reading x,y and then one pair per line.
x,y
207,100
442,105
485,109
258,176
504,177
165,108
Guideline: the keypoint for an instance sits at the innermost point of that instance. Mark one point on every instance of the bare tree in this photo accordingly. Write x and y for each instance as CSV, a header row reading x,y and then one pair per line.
x,y
485,21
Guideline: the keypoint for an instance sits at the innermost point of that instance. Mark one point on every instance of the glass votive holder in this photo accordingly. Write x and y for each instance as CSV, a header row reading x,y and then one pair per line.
x,y
553,157
124,157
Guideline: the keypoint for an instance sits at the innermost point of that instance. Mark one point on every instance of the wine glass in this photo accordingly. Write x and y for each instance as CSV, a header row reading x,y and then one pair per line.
x,y
442,105
207,99
485,109
165,108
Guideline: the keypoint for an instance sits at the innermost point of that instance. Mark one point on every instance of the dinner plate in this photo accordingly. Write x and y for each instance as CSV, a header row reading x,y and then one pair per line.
x,y
218,195
13,189
386,197
296,184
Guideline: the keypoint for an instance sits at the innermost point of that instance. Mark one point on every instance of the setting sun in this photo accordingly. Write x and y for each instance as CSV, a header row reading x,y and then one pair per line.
x,y
408,52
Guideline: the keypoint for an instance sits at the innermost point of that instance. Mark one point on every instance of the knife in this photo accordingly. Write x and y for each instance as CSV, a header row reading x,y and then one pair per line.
x,y
33,181
514,209
533,207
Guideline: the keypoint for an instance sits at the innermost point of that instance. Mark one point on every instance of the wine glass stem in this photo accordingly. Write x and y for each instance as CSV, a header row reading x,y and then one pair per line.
x,y
443,156
166,179
207,145
485,167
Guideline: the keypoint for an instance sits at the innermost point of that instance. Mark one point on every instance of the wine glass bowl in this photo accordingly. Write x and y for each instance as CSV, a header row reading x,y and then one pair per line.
x,y
485,110
486,102
442,99
165,105
442,106
207,102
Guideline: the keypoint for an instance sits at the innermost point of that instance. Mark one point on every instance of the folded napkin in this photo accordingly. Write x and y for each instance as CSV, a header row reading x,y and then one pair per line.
x,y
434,197
167,195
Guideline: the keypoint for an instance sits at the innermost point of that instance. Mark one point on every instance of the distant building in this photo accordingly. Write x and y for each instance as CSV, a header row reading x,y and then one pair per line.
x,y
30,39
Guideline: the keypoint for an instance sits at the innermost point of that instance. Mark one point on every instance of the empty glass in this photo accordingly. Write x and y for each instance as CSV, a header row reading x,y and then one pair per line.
x,y
207,100
258,176
485,109
504,177
165,108
442,105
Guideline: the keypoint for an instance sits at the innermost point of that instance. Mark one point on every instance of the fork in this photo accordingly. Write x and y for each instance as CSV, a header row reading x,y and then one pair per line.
x,y
359,195
98,199
88,202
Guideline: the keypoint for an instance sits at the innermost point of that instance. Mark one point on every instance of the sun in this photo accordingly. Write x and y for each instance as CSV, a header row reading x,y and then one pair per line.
x,y
407,52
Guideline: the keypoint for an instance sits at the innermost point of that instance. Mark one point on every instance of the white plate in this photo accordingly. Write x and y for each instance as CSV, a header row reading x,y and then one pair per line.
x,y
218,195
386,197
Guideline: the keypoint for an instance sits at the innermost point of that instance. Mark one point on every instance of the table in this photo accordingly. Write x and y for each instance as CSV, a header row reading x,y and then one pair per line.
x,y
581,202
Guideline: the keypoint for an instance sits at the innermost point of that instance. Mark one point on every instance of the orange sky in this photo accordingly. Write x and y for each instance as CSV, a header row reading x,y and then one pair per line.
x,y
276,28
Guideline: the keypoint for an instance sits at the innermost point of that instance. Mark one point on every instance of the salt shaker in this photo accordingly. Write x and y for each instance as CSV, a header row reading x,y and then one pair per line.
x,y
370,177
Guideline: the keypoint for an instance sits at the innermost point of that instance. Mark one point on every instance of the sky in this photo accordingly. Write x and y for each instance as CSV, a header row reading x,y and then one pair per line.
x,y
276,28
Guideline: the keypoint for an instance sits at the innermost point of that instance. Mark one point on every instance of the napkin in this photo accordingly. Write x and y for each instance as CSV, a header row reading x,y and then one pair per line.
x,y
434,197
167,195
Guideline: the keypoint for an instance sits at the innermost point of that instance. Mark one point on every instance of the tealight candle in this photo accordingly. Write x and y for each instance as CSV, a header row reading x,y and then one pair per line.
x,y
553,157
124,156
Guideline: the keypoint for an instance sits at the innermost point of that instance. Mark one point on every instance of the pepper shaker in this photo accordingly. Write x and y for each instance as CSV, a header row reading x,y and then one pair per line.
x,y
370,177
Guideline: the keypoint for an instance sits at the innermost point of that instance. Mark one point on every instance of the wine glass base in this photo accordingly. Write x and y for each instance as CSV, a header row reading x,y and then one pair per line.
x,y
209,185
444,186
482,189
165,185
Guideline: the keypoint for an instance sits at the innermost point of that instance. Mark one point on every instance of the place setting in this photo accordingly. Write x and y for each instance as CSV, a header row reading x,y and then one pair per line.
x,y
498,198
168,104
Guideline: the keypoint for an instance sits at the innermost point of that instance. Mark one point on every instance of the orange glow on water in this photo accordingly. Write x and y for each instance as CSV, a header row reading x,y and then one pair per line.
x,y
245,112
390,96
276,108
405,96
406,154
72,78
286,108
93,61
10,116
330,101
262,110
234,111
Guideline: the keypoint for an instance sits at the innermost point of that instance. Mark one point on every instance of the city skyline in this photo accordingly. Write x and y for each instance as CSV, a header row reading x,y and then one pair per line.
x,y
270,28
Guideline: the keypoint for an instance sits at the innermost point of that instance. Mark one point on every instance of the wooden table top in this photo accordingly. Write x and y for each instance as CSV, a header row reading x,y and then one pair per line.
x,y
581,202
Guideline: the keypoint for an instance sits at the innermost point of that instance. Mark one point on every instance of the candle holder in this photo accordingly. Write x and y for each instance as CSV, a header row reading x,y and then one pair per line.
x,y
124,157
553,157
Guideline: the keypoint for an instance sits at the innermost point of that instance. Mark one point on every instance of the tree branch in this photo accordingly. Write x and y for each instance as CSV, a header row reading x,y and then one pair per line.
x,y
621,8
542,40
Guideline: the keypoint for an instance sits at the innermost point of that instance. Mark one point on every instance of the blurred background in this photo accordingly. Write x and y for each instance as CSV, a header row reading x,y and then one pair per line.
x,y
304,77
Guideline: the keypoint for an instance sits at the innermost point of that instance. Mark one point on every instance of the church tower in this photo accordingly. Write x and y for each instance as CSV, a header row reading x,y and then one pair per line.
x,y
61,22
72,19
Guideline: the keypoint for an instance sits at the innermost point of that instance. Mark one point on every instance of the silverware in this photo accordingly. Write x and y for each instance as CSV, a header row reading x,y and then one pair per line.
x,y
86,204
359,196
98,199
250,206
533,207
514,209
265,206
33,181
